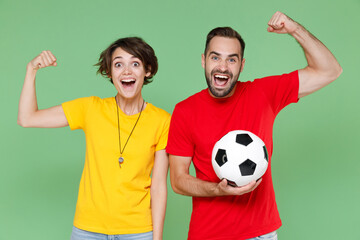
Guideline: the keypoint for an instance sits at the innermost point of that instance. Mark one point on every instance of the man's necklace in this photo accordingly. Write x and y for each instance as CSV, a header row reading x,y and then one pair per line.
x,y
121,159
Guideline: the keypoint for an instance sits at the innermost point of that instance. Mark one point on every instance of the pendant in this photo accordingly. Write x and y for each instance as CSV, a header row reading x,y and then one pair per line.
x,y
121,160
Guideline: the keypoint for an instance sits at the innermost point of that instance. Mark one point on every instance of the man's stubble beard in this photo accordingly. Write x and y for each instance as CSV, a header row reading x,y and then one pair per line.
x,y
224,92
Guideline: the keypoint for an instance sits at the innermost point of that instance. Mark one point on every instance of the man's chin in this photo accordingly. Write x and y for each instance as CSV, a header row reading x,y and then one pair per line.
x,y
219,93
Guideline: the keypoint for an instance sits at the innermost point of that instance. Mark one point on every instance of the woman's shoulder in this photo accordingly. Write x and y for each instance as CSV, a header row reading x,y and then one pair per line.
x,y
100,101
159,112
93,102
94,99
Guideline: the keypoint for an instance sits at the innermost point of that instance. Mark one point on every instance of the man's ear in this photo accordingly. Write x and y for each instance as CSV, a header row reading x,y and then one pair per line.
x,y
242,64
203,60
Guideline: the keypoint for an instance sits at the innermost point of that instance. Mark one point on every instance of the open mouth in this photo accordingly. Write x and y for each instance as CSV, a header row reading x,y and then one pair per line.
x,y
220,80
128,82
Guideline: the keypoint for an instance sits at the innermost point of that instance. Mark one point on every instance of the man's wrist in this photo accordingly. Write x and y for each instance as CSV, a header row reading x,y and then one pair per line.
x,y
215,190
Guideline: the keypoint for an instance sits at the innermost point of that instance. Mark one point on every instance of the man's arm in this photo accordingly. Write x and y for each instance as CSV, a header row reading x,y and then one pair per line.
x,y
322,67
183,183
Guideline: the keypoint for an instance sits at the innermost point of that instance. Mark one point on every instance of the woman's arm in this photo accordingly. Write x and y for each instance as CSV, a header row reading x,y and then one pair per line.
x,y
29,115
159,193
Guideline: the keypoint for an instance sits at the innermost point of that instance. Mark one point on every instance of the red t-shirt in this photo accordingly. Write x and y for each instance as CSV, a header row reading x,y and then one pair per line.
x,y
199,122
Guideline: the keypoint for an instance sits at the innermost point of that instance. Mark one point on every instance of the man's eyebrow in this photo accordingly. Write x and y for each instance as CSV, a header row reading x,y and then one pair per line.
x,y
231,55
213,52
234,55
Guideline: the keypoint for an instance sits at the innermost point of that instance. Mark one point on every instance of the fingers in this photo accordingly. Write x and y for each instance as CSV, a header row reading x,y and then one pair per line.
x,y
277,22
225,189
281,23
47,59
257,183
44,59
270,29
249,187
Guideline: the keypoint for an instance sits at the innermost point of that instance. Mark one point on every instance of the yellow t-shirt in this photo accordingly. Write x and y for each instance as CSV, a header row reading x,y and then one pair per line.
x,y
114,200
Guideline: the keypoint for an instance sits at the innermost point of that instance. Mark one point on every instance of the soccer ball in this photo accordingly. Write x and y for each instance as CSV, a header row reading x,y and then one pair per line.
x,y
240,157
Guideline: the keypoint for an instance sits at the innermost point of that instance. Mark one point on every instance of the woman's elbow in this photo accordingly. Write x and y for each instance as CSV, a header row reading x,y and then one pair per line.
x,y
22,122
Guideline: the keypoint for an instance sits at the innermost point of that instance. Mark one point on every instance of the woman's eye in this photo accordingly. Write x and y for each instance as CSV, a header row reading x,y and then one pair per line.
x,y
117,64
136,64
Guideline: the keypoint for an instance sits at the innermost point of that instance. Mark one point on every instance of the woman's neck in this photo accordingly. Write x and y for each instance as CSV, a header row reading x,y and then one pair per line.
x,y
130,106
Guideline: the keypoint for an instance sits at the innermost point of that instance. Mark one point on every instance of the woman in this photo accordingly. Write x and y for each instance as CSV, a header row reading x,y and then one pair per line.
x,y
125,141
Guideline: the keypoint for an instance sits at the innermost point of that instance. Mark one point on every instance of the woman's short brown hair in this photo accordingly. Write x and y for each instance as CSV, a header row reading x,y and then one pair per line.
x,y
134,46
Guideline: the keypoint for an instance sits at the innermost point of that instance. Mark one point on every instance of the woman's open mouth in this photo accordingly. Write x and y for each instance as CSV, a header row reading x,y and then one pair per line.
x,y
128,82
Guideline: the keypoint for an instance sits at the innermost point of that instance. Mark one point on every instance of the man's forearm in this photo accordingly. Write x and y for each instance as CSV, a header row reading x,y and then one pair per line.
x,y
322,67
191,186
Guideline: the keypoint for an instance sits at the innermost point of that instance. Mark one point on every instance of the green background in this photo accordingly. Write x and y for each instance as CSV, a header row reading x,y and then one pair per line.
x,y
316,164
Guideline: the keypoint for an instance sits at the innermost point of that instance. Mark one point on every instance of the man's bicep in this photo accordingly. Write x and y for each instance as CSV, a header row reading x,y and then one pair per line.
x,y
179,164
307,83
310,81
179,171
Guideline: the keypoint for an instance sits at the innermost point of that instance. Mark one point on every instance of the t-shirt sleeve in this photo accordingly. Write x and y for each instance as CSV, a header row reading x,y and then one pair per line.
x,y
280,90
164,135
75,112
180,141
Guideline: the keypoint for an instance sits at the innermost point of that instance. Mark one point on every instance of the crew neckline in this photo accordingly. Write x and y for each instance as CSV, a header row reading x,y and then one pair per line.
x,y
238,86
121,113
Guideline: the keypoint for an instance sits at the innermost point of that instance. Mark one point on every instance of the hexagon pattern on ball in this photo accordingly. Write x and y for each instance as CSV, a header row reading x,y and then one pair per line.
x,y
240,157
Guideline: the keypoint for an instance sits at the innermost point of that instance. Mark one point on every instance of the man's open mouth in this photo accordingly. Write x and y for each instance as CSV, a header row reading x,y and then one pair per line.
x,y
221,80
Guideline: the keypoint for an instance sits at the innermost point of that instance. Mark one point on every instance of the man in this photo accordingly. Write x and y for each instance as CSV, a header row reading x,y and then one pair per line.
x,y
221,211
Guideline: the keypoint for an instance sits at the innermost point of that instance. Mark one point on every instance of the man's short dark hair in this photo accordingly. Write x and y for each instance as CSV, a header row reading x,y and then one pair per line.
x,y
134,46
227,32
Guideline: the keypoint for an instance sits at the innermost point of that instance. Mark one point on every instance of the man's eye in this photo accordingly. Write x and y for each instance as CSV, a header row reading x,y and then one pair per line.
x,y
232,60
214,58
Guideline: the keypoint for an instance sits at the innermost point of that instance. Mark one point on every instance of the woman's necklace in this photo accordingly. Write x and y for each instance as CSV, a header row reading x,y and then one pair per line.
x,y
121,159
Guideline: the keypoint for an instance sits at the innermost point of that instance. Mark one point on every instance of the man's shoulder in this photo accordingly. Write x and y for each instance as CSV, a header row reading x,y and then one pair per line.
x,y
192,100
284,76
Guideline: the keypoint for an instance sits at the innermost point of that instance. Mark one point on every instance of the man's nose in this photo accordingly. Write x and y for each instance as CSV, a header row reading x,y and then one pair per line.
x,y
223,65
